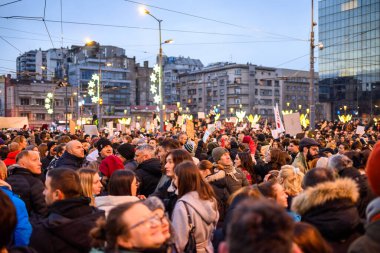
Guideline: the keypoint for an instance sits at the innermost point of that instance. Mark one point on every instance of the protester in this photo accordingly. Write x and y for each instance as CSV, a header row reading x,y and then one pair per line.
x,y
91,185
196,205
129,227
290,178
309,149
14,150
25,182
148,169
244,162
104,147
73,157
122,188
70,218
309,240
126,152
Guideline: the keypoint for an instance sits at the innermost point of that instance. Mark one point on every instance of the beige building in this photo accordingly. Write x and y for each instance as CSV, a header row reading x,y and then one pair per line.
x,y
27,99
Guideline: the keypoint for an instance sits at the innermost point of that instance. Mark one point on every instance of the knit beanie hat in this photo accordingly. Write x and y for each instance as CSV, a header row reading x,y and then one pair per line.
x,y
110,164
373,169
127,151
189,147
50,144
373,209
211,146
261,137
217,153
247,139
102,143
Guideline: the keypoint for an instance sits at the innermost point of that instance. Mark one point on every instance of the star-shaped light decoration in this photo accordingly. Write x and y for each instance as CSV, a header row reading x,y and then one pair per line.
x,y
153,89
47,100
156,68
50,95
217,116
153,78
91,92
47,106
95,77
240,115
50,111
94,99
91,84
253,119
156,99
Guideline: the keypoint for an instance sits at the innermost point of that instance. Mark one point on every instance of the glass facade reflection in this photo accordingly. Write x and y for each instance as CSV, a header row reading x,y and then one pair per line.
x,y
349,64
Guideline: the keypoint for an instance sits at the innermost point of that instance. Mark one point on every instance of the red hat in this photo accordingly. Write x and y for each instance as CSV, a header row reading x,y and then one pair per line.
x,y
110,164
373,169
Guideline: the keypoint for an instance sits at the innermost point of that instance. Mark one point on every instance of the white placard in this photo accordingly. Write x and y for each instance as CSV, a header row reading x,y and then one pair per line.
x,y
118,127
211,127
205,136
275,133
110,127
138,126
183,128
13,122
201,115
172,116
218,124
292,124
360,130
91,130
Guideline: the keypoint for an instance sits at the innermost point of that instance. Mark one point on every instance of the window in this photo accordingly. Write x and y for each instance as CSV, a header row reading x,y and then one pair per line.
x,y
40,101
238,72
237,101
222,92
24,101
238,91
40,116
24,114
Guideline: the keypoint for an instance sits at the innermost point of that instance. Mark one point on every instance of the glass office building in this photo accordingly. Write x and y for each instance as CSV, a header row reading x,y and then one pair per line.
x,y
349,64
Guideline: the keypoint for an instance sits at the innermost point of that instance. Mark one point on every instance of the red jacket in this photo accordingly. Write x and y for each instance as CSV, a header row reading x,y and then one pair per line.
x,y
11,158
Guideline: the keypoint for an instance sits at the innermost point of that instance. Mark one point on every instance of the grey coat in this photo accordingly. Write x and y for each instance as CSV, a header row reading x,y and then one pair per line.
x,y
204,215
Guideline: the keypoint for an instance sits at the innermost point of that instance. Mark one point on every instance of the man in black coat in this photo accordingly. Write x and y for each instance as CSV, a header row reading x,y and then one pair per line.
x,y
25,182
73,157
70,218
148,170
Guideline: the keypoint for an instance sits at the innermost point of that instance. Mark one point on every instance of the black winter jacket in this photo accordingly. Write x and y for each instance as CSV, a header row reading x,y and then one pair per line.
x,y
30,189
167,195
149,174
69,161
67,227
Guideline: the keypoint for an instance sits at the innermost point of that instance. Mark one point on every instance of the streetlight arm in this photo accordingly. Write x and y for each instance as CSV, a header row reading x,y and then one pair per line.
x,y
158,20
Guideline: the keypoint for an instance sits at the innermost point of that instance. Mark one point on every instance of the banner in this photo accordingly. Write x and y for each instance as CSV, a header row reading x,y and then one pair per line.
x,y
279,126
13,122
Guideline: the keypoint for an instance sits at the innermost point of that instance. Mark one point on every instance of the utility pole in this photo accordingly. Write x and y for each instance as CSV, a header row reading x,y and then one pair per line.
x,y
311,84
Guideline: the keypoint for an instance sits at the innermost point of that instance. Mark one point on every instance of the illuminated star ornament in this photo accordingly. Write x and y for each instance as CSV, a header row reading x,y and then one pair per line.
x,y
49,102
92,85
154,79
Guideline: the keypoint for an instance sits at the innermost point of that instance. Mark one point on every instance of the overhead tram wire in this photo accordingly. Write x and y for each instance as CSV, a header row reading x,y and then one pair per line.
x,y
1,5
119,26
10,44
213,20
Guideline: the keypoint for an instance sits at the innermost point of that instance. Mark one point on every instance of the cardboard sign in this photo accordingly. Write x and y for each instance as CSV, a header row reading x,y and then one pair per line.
x,y
110,128
201,115
13,122
91,130
190,129
360,130
72,126
138,126
211,127
172,116
292,124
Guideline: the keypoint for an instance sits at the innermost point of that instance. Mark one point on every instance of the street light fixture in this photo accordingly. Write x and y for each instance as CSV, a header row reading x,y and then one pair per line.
x,y
160,86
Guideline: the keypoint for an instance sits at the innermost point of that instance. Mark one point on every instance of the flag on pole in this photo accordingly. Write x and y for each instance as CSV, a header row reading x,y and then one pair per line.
x,y
279,126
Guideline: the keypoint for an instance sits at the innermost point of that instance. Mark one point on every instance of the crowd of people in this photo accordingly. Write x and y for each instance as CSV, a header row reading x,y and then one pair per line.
x,y
234,191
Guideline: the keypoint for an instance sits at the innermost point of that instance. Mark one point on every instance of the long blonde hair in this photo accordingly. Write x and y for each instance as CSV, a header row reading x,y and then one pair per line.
x,y
290,178
86,177
3,171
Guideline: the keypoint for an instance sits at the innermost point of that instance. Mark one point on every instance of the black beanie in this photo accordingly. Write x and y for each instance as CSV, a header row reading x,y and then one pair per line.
x,y
102,143
127,151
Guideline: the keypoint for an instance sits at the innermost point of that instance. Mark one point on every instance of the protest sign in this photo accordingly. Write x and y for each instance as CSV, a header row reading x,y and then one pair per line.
x,y
91,130
201,115
72,126
275,133
180,120
360,130
218,124
190,129
292,124
13,122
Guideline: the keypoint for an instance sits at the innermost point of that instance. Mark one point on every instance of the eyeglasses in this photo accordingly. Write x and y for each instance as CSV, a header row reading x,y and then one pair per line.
x,y
154,220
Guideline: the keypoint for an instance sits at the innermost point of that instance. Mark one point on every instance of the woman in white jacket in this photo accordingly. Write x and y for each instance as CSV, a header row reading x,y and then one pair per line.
x,y
199,198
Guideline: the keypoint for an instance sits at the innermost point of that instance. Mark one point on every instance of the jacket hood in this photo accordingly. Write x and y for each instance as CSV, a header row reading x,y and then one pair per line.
x,y
72,219
113,200
152,166
342,188
208,210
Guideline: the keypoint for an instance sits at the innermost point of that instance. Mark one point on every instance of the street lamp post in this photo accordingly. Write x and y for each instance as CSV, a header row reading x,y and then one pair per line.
x,y
311,86
160,76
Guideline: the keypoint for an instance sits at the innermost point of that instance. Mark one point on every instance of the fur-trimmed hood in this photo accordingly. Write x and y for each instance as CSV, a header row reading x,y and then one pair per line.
x,y
342,188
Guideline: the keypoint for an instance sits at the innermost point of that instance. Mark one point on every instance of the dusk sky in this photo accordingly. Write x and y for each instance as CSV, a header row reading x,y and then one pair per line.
x,y
264,32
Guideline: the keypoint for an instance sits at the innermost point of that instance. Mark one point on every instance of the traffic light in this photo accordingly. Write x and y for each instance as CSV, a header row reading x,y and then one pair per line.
x,y
100,101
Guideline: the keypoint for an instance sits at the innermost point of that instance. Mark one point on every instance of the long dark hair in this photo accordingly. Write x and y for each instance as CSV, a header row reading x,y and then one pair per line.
x,y
120,183
247,163
179,155
190,179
